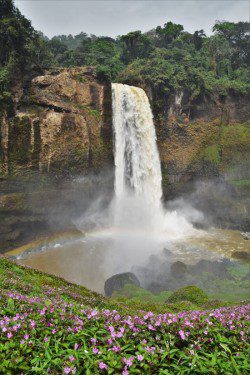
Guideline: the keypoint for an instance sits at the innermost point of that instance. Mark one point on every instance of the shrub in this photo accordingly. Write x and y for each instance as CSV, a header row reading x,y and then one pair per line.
x,y
189,293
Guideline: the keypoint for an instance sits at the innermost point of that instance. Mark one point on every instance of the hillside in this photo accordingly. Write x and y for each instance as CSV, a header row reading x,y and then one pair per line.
x,y
51,326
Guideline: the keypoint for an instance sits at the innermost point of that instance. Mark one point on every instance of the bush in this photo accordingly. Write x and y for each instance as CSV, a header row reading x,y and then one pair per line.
x,y
189,293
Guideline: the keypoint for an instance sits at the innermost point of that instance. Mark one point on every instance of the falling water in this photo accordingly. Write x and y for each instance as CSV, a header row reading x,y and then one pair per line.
x,y
137,206
138,191
137,160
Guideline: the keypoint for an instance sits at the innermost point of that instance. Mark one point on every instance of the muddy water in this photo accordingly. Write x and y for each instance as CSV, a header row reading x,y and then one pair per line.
x,y
80,263
88,261
224,242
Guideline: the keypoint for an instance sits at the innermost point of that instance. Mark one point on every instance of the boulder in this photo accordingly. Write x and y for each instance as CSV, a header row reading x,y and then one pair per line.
x,y
167,253
118,281
156,288
216,268
246,277
178,269
241,255
246,235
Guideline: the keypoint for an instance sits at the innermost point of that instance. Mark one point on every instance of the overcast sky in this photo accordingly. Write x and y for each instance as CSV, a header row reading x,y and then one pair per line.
x,y
117,17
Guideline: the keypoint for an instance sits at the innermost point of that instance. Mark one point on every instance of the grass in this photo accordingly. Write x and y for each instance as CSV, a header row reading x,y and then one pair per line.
x,y
240,182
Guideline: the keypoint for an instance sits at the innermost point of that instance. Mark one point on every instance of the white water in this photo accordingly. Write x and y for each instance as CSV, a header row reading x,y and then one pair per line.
x,y
137,206
137,162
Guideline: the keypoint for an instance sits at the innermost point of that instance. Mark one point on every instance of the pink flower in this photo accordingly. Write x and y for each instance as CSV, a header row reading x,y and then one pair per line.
x,y
116,349
95,350
9,335
125,371
151,328
102,366
26,336
72,358
67,370
140,357
128,361
182,334
32,323
76,346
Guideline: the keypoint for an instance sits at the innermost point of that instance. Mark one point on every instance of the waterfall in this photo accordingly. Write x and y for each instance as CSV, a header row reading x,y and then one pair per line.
x,y
135,225
137,206
137,163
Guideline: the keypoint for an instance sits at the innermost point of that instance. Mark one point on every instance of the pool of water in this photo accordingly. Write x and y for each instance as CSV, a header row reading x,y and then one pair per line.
x,y
91,259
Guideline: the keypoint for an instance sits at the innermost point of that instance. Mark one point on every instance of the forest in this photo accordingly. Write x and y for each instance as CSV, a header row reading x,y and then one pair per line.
x,y
167,58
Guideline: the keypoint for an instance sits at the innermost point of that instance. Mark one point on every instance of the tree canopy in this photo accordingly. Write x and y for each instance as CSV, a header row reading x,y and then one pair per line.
x,y
168,58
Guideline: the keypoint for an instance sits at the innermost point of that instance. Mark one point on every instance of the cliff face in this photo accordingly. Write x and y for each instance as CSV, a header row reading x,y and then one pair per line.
x,y
60,126
203,138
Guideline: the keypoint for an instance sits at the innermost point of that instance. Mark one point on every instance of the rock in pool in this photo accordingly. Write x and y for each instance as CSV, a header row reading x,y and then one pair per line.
x,y
118,281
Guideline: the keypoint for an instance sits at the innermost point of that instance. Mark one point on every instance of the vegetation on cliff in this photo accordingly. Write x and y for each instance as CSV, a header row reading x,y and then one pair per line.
x,y
50,326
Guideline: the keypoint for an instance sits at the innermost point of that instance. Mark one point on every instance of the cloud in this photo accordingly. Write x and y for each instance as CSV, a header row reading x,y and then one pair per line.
x,y
112,18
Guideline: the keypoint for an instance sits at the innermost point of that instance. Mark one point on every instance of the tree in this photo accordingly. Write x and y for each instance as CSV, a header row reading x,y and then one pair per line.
x,y
198,38
238,36
135,45
168,33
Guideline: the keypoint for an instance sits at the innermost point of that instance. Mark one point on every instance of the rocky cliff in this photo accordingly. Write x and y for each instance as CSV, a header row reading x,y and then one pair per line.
x,y
60,126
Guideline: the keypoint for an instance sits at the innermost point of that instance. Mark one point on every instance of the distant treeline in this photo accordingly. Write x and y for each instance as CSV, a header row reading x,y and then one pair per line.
x,y
167,57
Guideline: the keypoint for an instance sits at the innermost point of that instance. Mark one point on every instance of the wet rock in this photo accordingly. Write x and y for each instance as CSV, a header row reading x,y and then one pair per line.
x,y
246,235
246,277
178,269
156,288
167,253
241,255
118,281
216,268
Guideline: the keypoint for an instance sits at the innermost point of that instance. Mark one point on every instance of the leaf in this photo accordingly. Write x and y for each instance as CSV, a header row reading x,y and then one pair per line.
x,y
11,303
225,347
48,302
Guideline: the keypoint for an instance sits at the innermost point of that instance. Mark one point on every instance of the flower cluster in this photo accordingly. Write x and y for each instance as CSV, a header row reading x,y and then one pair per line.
x,y
73,337
50,327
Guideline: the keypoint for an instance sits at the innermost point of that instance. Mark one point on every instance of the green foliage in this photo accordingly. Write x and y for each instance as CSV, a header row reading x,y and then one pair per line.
x,y
134,45
21,48
240,182
168,33
189,293
212,154
167,58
